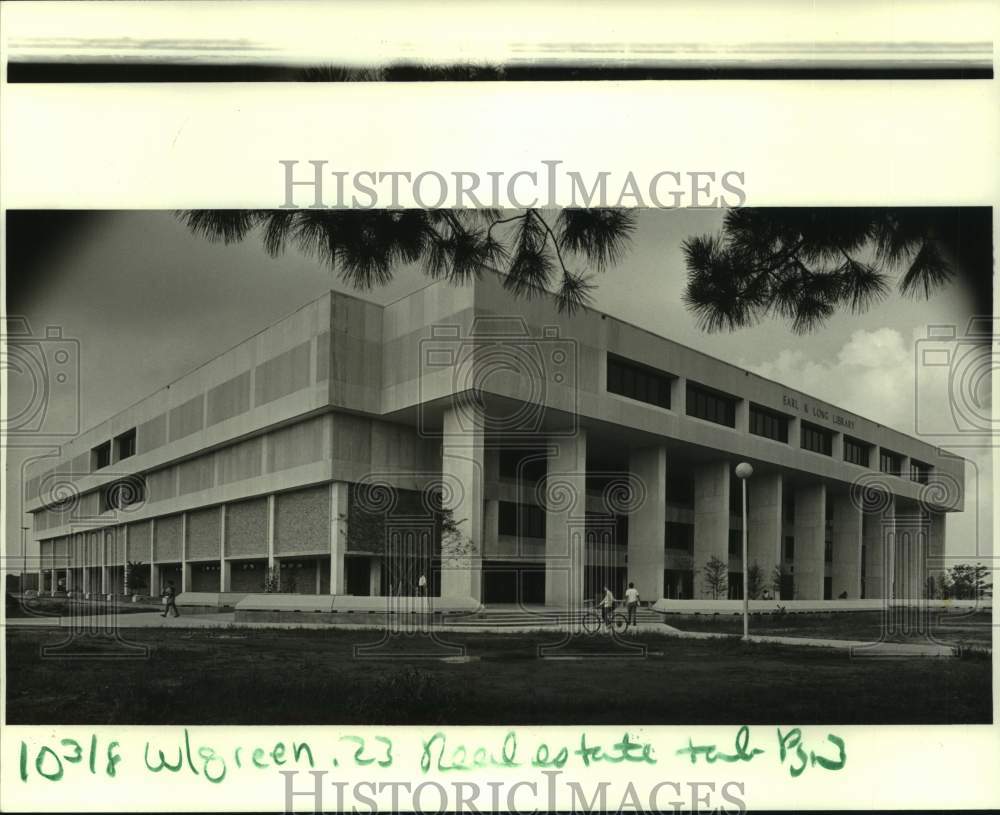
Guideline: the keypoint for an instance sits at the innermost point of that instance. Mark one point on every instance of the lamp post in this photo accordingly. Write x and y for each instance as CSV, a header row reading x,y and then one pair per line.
x,y
743,473
24,555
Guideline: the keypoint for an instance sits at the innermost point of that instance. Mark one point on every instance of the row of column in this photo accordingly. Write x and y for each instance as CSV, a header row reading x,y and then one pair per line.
x,y
896,546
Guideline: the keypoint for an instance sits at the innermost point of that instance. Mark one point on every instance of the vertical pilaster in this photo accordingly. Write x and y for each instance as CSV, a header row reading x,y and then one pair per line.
x,y
462,471
338,534
711,522
847,535
764,497
222,549
185,566
810,541
565,520
126,589
648,521
154,585
375,577
271,507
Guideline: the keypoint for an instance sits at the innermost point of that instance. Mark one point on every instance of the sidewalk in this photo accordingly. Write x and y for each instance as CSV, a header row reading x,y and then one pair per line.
x,y
227,620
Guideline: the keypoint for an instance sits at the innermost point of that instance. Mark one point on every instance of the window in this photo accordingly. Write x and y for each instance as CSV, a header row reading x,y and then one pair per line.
x,y
680,491
919,471
125,445
680,536
828,551
856,452
817,439
529,465
100,456
788,504
123,494
890,462
711,405
639,382
735,543
521,520
789,547
768,423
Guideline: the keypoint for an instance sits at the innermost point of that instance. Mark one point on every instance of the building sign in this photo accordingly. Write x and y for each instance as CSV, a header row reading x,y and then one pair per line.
x,y
814,411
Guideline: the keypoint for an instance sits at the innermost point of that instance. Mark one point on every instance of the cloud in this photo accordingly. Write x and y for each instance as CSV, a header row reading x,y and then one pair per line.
x,y
873,374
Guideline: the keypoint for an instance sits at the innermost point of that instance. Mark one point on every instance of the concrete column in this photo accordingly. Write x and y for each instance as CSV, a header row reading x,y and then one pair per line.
x,y
338,534
86,580
910,553
462,471
742,416
565,520
154,589
185,568
764,519
647,523
935,545
125,586
222,548
810,541
711,521
271,506
491,525
837,450
876,530
375,577
847,535
105,577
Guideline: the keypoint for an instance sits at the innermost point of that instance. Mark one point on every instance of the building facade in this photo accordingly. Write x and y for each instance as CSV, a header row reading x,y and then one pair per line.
x,y
504,451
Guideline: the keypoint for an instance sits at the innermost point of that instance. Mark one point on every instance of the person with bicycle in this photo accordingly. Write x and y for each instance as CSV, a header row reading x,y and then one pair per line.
x,y
607,606
631,603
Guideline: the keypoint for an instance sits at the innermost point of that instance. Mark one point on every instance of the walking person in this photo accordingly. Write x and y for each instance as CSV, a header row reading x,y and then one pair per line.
x,y
422,586
631,603
169,596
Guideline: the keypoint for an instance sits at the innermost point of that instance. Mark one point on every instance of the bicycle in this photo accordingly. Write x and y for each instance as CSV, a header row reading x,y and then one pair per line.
x,y
594,621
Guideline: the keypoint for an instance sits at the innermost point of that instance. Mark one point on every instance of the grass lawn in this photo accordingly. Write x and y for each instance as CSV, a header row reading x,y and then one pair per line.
x,y
236,676
953,628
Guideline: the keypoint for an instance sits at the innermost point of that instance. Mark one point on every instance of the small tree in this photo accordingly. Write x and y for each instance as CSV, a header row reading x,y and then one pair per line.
x,y
272,581
135,576
755,581
943,586
714,577
969,582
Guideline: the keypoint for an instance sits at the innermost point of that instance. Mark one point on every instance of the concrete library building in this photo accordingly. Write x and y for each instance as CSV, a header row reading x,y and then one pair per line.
x,y
482,448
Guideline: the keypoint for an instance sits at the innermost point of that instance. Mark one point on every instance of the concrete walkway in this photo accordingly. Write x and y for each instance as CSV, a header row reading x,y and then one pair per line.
x,y
227,621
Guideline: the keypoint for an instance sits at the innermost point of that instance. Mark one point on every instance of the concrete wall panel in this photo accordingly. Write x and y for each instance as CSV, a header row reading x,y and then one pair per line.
x,y
167,543
302,521
187,418
197,474
204,529
246,528
240,461
229,399
282,375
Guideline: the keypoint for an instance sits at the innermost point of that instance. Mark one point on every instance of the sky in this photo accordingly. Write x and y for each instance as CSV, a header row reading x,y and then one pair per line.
x,y
143,301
